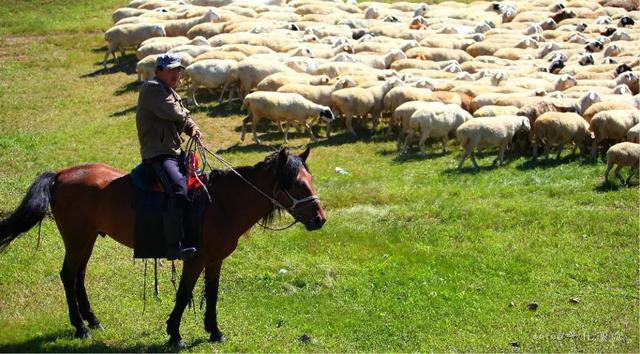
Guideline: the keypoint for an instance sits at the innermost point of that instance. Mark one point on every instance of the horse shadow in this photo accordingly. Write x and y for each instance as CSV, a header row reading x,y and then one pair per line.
x,y
50,343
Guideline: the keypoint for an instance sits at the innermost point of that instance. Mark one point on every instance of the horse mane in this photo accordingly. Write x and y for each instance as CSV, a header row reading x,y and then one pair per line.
x,y
283,164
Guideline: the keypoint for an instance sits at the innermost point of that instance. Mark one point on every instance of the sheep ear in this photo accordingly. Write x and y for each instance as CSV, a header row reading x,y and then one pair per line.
x,y
305,154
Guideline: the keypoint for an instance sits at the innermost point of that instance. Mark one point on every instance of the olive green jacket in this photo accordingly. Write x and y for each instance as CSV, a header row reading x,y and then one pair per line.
x,y
161,119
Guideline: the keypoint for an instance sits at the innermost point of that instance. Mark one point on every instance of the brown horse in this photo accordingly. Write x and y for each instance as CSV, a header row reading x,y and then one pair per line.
x,y
95,199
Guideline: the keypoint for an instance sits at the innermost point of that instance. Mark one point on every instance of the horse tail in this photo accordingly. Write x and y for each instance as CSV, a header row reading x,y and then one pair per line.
x,y
31,210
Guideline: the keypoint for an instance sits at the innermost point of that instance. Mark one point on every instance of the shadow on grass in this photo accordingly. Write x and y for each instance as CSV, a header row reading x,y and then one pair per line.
x,y
607,186
126,64
124,112
543,163
130,87
50,343
224,109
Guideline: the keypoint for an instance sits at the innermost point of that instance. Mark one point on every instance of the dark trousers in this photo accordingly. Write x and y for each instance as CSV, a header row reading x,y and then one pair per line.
x,y
167,169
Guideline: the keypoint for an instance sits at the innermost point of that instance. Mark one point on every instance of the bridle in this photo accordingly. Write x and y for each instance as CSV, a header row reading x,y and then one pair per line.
x,y
291,209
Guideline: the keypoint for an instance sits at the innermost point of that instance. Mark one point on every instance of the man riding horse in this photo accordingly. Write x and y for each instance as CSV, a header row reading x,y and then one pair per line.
x,y
161,119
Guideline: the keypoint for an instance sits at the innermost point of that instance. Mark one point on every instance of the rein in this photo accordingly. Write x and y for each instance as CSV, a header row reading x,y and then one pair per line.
x,y
202,150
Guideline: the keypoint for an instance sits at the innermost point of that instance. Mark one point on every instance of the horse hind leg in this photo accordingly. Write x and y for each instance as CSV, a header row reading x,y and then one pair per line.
x,y
73,262
81,294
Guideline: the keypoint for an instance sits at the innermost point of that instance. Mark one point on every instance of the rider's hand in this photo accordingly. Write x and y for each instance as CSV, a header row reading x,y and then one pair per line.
x,y
196,134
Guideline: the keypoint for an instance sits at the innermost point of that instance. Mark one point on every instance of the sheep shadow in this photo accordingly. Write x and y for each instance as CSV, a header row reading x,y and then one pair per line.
x,y
125,64
470,170
606,186
239,148
414,156
124,112
544,163
130,87
51,343
224,109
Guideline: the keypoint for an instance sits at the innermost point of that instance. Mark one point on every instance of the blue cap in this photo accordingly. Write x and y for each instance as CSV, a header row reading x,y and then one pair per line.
x,y
168,61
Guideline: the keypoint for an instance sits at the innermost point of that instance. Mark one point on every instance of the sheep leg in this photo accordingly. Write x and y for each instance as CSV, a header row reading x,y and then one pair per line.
x,y
535,150
500,158
634,171
254,124
606,174
618,174
224,87
222,93
407,141
191,93
401,136
560,147
313,137
375,117
286,130
423,138
445,144
328,130
473,160
106,56
348,118
594,149
465,153
244,126
547,150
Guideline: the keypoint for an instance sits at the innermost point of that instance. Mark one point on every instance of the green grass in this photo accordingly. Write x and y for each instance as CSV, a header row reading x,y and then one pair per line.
x,y
415,255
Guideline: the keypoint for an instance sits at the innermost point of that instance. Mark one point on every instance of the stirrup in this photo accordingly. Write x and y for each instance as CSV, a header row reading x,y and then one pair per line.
x,y
184,253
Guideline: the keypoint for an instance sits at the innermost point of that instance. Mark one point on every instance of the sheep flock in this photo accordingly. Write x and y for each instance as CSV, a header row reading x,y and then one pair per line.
x,y
512,75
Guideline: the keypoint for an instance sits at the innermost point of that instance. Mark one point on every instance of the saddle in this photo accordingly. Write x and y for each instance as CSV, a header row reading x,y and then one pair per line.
x,y
150,202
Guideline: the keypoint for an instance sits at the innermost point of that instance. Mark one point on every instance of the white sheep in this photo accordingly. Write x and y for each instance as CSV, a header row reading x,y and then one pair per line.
x,y
489,132
633,135
251,72
212,74
357,101
162,46
623,154
612,124
181,27
436,121
125,36
275,81
555,128
603,105
282,107
318,94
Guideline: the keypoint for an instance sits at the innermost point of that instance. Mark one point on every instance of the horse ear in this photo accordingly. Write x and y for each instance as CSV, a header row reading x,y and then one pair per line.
x,y
305,154
282,157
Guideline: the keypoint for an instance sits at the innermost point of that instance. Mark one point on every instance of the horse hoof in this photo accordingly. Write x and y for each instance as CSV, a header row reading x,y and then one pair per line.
x,y
96,326
217,338
177,343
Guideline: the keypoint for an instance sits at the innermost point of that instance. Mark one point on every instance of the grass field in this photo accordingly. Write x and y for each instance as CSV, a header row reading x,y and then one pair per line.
x,y
415,255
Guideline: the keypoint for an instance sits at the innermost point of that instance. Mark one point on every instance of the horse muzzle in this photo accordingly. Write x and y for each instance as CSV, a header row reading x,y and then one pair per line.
x,y
315,223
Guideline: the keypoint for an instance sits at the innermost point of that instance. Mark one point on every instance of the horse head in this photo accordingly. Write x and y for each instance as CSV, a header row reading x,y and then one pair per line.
x,y
294,189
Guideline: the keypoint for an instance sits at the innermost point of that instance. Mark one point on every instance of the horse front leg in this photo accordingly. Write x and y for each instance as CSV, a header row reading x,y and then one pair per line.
x,y
212,281
190,272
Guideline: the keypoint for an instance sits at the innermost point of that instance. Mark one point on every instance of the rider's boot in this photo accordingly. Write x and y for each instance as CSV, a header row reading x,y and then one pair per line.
x,y
173,220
